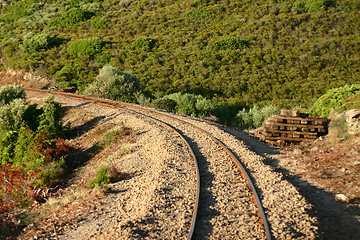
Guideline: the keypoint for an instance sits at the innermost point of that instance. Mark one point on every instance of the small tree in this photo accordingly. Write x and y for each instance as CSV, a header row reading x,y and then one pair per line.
x,y
86,46
143,43
74,16
333,99
36,42
254,117
231,43
7,94
11,115
191,104
315,5
50,121
113,84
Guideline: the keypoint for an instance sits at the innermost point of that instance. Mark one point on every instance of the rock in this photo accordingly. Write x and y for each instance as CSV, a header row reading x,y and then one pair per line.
x,y
314,149
341,197
353,121
297,151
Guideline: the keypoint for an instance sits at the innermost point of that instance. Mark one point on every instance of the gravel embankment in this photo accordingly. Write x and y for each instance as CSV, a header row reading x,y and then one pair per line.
x,y
286,209
158,200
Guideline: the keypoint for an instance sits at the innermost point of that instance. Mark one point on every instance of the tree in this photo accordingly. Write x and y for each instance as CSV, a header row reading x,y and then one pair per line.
x,y
86,46
114,84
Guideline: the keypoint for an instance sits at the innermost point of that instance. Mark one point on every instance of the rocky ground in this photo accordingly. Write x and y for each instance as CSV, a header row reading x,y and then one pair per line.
x,y
326,174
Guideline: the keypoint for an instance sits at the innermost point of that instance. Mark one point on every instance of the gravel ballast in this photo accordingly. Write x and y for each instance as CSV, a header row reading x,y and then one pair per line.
x,y
158,200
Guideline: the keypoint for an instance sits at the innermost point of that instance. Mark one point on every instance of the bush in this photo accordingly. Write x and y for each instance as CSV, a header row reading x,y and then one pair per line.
x,y
12,115
99,23
36,42
30,154
254,117
143,43
7,94
113,84
143,98
165,104
315,5
86,46
15,187
231,43
191,104
50,120
312,6
73,16
333,99
352,102
299,6
66,73
200,14
102,178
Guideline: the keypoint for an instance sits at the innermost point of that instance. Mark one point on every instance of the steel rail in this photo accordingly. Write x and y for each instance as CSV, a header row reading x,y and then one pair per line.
x,y
197,197
255,197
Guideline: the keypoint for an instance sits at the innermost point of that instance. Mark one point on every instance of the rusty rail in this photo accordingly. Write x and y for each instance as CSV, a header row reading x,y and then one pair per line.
x,y
114,104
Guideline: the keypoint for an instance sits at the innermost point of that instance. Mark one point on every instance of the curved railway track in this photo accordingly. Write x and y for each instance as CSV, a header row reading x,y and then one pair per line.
x,y
224,210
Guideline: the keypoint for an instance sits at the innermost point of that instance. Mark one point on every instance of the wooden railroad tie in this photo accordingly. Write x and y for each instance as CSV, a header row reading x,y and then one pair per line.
x,y
293,126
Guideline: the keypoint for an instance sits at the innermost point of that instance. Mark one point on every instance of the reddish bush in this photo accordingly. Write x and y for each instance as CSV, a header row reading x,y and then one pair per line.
x,y
15,187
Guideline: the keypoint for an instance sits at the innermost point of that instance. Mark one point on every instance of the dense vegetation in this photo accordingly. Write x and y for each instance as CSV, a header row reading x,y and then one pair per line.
x,y
32,154
238,54
334,99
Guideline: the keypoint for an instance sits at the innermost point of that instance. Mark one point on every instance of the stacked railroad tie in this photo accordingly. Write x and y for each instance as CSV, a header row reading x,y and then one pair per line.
x,y
293,126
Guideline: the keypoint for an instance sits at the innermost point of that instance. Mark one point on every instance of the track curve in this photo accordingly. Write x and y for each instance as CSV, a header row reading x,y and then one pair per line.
x,y
236,161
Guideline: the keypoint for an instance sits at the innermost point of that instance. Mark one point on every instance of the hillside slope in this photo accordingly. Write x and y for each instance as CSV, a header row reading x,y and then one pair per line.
x,y
239,53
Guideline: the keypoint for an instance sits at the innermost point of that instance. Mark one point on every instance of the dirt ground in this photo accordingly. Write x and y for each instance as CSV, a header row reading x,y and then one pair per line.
x,y
321,170
326,173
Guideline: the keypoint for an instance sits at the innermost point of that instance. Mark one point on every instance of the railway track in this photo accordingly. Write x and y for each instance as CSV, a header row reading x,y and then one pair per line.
x,y
229,206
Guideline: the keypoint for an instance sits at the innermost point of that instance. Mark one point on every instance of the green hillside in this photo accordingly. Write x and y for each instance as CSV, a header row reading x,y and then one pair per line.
x,y
237,53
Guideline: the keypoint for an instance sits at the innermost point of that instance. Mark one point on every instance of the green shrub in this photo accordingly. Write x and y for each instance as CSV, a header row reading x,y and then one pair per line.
x,y
115,135
165,104
8,94
11,115
50,120
315,5
300,6
333,99
36,42
201,14
352,102
86,46
254,117
73,16
191,104
92,6
7,145
28,141
99,23
231,43
208,1
113,84
102,178
204,106
143,43
312,6
143,98
66,73
104,59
